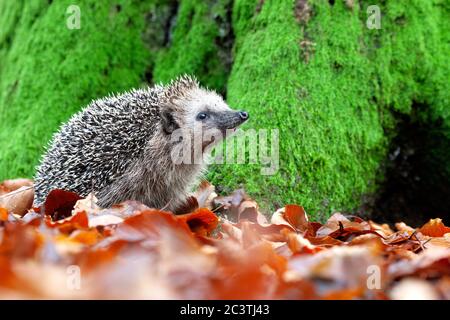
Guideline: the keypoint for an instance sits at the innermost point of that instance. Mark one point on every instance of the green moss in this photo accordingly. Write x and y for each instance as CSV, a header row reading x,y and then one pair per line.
x,y
194,47
333,109
49,71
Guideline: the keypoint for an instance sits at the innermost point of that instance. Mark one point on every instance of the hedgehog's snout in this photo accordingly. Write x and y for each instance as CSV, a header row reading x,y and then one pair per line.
x,y
229,120
243,115
237,119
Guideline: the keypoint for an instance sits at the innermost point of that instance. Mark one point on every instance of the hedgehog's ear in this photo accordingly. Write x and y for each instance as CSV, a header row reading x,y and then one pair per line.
x,y
169,123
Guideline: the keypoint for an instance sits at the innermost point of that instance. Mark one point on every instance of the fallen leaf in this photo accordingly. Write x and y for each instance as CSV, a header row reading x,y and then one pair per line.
x,y
431,262
202,221
69,224
59,204
434,228
11,185
132,251
18,201
205,194
3,214
296,217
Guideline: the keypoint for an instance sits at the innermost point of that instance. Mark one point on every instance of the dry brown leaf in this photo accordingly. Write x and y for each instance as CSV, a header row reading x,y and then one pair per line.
x,y
3,214
434,228
11,185
18,201
131,251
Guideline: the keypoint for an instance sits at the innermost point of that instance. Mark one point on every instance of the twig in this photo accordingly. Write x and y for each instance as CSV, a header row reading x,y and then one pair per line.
x,y
418,240
22,189
219,207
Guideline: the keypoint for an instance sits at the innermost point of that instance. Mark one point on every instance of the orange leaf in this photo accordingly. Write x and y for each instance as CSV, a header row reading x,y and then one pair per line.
x,y
67,225
12,185
296,216
202,221
346,294
3,214
434,228
148,225
88,237
18,201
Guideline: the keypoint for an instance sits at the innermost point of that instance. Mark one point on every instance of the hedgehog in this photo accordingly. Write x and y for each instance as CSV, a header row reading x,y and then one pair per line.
x,y
129,146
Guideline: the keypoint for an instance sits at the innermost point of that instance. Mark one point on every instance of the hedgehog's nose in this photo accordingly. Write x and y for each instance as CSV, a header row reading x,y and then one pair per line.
x,y
243,115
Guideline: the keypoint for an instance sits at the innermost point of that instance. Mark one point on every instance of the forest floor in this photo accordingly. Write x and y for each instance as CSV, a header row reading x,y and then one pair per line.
x,y
222,248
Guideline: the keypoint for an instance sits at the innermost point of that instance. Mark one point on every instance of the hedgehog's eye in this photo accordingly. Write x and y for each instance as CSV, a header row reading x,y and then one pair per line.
x,y
202,116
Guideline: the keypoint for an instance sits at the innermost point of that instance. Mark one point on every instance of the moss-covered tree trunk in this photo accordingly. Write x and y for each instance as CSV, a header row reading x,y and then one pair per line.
x,y
337,90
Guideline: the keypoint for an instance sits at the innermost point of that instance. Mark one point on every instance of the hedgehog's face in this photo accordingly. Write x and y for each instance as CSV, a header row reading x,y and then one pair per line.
x,y
208,109
204,115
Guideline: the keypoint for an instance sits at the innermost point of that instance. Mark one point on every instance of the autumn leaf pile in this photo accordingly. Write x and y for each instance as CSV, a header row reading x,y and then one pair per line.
x,y
223,248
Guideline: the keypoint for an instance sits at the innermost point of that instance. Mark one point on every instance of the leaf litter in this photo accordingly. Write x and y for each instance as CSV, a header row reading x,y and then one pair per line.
x,y
221,247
